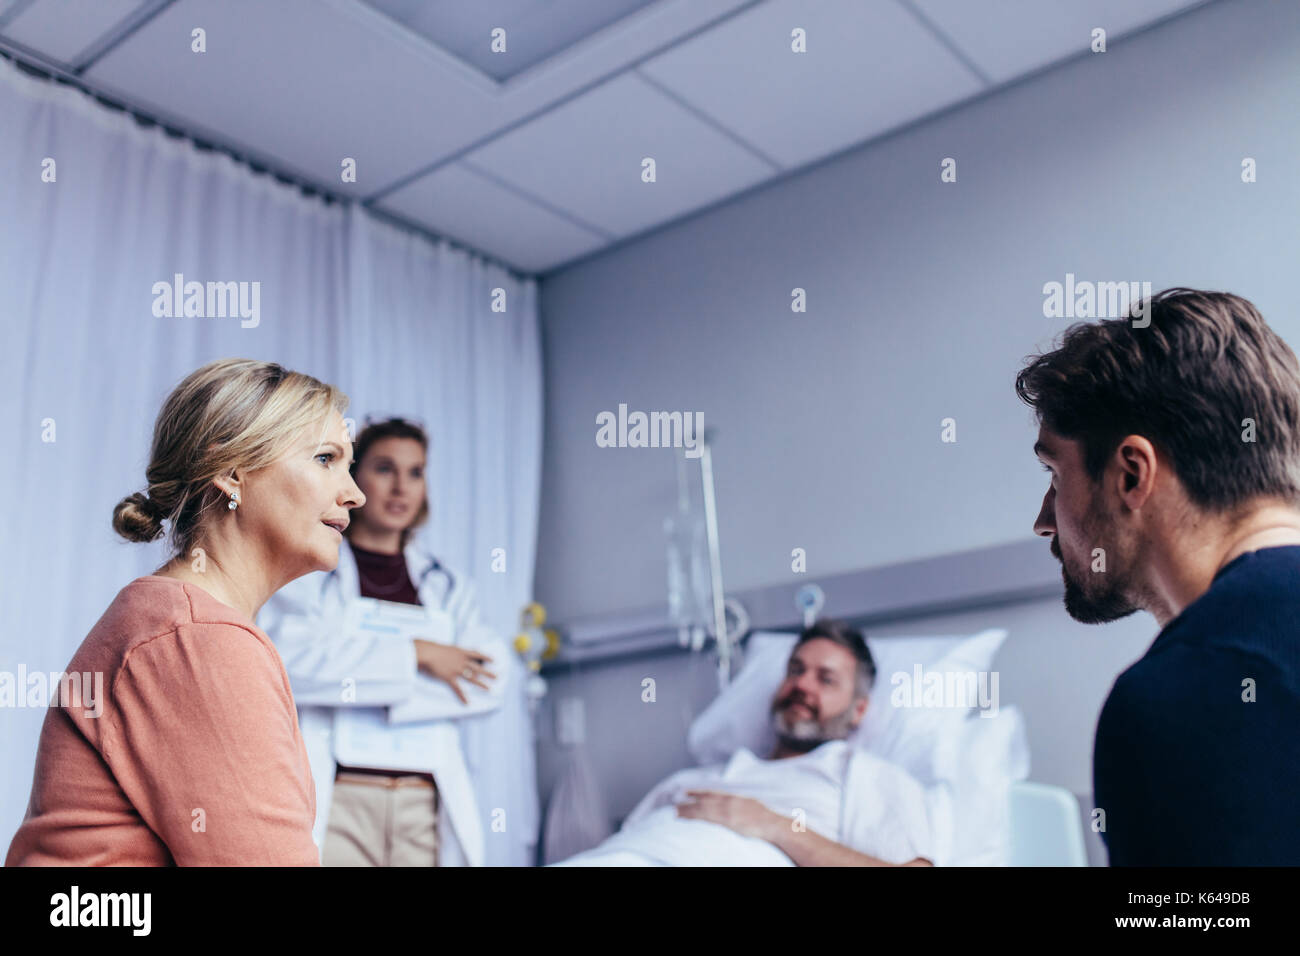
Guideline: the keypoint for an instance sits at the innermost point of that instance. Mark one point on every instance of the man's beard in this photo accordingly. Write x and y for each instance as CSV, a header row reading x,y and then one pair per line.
x,y
1108,596
810,733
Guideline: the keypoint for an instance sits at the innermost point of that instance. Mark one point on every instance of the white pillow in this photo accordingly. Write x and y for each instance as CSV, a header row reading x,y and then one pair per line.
x,y
908,737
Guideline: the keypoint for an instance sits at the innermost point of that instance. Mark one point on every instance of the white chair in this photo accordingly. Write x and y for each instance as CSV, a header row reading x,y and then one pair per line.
x,y
1045,826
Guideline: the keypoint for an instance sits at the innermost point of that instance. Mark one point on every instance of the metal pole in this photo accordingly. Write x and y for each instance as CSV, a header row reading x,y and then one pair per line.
x,y
715,562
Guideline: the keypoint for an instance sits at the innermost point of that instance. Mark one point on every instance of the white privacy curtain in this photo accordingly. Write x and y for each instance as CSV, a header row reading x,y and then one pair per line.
x,y
401,324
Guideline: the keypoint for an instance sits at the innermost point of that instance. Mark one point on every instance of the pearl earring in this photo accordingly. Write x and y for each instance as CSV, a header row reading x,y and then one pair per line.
x,y
234,500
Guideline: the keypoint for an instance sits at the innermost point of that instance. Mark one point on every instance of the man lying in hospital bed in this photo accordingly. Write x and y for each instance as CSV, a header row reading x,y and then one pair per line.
x,y
826,774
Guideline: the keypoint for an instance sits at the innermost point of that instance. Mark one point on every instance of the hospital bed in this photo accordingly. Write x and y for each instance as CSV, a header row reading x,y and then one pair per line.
x,y
972,761
1039,825
1046,829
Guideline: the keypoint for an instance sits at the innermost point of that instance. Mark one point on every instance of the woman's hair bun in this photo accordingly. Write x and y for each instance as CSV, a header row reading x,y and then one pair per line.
x,y
137,517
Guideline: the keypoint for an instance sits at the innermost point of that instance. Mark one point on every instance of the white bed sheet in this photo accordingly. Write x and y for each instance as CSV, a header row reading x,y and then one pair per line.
x,y
662,838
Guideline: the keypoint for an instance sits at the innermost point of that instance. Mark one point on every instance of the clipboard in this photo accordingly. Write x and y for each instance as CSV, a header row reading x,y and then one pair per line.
x,y
363,736
399,621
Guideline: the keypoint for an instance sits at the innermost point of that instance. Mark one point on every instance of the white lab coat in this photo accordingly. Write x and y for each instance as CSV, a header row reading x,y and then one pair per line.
x,y
305,620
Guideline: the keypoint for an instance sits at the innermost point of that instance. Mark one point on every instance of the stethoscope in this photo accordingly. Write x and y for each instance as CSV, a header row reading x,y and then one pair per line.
x,y
451,580
435,568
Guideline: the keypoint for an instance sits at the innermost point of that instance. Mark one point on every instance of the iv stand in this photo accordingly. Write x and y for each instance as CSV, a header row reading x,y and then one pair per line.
x,y
715,560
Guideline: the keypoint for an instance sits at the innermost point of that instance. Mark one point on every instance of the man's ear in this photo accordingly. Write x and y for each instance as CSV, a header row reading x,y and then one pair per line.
x,y
860,709
1138,464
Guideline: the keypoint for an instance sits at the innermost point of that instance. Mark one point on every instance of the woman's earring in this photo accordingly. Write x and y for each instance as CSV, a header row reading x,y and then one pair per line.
x,y
234,500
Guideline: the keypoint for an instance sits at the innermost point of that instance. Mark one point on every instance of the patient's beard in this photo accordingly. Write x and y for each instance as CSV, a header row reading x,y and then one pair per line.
x,y
806,735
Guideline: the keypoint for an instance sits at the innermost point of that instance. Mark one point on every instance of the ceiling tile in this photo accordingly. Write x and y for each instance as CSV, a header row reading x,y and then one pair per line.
x,y
586,158
868,68
1012,37
304,81
60,29
534,32
459,203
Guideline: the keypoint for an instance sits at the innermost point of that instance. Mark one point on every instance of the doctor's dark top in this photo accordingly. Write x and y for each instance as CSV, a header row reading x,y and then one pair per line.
x,y
384,576
1197,756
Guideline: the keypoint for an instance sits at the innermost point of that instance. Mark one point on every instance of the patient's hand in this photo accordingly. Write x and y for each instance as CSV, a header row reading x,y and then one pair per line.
x,y
746,816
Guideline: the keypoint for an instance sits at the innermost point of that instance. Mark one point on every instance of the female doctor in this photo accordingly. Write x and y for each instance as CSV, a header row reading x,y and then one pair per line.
x,y
376,704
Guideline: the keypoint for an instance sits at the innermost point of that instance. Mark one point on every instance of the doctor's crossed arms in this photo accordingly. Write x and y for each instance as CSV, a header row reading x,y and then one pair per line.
x,y
450,663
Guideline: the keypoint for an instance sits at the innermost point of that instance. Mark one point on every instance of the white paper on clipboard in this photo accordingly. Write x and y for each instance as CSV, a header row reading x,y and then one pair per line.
x,y
363,736
399,621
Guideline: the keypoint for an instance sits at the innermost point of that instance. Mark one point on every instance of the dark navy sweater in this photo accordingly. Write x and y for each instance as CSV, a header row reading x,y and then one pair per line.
x,y
1187,771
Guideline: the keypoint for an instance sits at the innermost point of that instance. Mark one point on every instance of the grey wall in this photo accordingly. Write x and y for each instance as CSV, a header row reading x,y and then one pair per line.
x,y
924,298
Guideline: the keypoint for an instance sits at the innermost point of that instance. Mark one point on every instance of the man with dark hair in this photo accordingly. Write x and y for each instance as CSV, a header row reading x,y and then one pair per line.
x,y
1174,451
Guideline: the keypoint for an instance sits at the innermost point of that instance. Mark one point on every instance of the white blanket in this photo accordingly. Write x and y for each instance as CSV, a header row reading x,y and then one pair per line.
x,y
664,839
843,793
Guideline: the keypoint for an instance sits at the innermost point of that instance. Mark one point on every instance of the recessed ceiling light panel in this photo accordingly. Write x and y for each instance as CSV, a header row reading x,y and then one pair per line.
x,y
535,30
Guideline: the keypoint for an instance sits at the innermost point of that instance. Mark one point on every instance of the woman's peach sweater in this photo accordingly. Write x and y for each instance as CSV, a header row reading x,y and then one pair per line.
x,y
195,758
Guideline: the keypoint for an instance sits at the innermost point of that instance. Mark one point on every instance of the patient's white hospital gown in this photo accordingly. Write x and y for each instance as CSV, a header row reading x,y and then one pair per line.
x,y
842,792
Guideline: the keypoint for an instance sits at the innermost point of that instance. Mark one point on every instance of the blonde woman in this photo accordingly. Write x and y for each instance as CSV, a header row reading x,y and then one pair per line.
x,y
196,757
